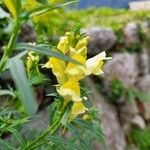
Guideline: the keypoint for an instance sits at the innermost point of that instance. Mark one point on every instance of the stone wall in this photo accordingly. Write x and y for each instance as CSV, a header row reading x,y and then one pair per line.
x,y
132,69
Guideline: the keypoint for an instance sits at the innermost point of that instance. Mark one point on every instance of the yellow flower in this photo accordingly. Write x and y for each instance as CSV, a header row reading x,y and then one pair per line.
x,y
77,109
94,64
70,90
80,47
75,71
58,67
68,74
82,51
10,4
65,43
82,43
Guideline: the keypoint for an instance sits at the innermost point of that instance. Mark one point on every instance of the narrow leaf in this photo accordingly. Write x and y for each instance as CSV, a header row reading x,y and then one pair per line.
x,y
78,136
43,9
44,2
26,93
5,145
65,117
6,92
16,134
20,55
46,51
59,140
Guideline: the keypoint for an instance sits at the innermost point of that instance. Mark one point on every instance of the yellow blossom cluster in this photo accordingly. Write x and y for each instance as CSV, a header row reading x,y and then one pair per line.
x,y
69,74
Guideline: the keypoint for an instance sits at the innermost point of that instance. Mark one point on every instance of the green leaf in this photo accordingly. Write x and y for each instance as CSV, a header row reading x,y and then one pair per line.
x,y
59,140
20,55
7,92
144,97
5,145
43,9
64,119
26,93
75,131
83,123
141,138
36,79
19,122
16,134
135,93
44,2
18,7
46,51
94,128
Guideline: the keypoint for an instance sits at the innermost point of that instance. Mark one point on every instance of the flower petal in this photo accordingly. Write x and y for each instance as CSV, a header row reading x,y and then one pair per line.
x,y
77,109
65,43
75,71
58,67
70,90
95,64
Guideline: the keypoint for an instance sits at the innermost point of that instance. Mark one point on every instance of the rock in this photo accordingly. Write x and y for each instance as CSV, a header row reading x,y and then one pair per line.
x,y
115,138
39,123
127,112
131,147
146,112
143,62
123,67
138,121
131,33
100,39
143,84
146,30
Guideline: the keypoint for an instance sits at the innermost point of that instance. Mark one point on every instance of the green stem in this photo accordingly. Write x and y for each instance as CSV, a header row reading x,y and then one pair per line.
x,y
51,130
11,45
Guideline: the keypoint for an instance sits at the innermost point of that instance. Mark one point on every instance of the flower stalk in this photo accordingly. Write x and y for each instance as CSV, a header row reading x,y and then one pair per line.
x,y
51,130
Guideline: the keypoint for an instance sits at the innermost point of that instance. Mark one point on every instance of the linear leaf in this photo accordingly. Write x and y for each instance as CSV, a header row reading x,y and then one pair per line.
x,y
7,92
43,9
45,51
65,117
144,97
60,140
26,93
77,134
16,134
21,54
5,145
44,2
94,128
